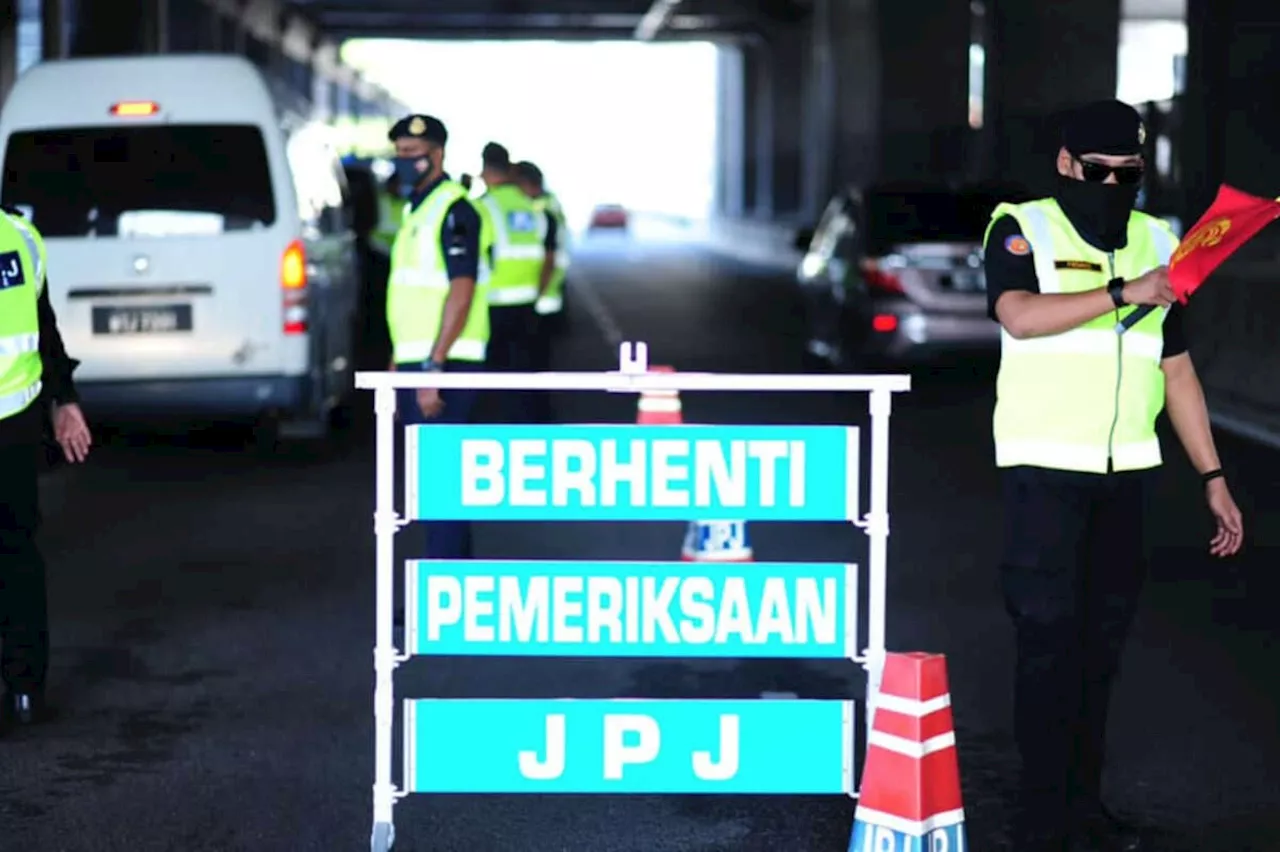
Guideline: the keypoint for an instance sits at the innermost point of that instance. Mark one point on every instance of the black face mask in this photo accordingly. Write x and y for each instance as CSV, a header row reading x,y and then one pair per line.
x,y
1099,210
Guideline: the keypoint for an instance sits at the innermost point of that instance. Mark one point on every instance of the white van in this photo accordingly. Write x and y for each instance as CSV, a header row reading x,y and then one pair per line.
x,y
201,261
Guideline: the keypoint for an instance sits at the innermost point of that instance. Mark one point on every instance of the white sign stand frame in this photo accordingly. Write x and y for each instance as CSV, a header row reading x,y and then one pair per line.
x,y
632,376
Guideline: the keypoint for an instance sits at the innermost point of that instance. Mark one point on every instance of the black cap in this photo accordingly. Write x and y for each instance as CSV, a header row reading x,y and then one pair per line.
x,y
496,156
419,127
528,171
1105,127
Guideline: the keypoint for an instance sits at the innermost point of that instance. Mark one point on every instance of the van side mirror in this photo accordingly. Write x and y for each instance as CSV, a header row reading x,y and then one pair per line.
x,y
803,239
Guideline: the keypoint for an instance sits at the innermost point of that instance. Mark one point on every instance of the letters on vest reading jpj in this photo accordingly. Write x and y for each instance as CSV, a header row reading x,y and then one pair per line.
x,y
632,473
11,274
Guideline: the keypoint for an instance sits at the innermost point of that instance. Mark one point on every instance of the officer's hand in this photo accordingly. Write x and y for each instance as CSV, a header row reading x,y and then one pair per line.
x,y
71,432
1152,288
429,402
1230,534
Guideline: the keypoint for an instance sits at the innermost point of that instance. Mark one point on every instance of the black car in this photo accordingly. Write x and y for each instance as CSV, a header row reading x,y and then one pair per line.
x,y
894,272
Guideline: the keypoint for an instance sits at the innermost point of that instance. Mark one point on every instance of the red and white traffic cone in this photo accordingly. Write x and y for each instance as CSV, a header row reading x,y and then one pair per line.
x,y
910,798
704,541
659,408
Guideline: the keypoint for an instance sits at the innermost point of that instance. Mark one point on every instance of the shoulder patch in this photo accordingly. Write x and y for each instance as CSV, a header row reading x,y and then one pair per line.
x,y
1017,245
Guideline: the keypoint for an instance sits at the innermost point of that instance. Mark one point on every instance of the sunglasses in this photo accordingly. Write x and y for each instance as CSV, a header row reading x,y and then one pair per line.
x,y
1099,172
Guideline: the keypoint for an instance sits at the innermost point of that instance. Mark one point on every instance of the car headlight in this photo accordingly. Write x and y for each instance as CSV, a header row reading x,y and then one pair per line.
x,y
811,266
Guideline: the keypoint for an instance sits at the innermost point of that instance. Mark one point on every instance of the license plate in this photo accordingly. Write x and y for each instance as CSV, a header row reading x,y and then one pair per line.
x,y
153,319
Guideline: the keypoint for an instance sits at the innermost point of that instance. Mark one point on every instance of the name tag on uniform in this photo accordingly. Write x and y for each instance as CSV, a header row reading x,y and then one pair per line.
x,y
521,221
1078,265
11,274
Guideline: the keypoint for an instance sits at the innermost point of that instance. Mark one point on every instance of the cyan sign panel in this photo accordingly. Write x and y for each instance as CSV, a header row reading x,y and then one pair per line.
x,y
631,473
631,609
759,747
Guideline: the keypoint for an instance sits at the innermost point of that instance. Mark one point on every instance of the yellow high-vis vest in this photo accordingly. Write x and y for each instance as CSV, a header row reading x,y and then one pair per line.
x,y
22,274
552,301
518,233
390,216
1085,397
419,284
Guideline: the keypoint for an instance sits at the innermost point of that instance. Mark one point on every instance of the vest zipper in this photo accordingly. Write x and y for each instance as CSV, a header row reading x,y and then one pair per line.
x,y
1115,415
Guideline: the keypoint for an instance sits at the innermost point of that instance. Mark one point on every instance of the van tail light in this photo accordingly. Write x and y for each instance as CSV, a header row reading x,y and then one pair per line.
x,y
880,279
134,109
293,288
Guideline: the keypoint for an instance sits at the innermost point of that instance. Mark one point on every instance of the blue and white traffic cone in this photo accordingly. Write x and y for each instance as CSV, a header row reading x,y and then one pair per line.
x,y
716,541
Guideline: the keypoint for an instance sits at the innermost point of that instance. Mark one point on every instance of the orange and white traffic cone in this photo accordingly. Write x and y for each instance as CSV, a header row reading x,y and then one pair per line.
x,y
704,541
659,408
910,798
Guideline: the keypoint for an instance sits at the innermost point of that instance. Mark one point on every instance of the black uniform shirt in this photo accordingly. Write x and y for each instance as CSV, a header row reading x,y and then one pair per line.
x,y
1007,271
552,240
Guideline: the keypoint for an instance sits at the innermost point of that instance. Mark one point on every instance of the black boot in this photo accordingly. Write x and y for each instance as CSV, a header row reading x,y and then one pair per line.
x,y
23,708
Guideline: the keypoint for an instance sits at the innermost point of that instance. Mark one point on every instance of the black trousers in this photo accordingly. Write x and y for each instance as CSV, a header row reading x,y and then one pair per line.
x,y
1073,571
512,342
540,361
24,617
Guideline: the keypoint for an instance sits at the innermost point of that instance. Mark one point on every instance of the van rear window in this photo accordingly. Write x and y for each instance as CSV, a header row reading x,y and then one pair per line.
x,y
186,180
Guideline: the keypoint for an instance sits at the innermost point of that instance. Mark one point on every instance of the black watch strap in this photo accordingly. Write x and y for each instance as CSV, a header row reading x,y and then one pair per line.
x,y
1210,476
1115,289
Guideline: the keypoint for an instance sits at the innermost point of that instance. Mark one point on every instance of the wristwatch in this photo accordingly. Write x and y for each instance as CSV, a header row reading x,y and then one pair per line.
x,y
1115,289
430,366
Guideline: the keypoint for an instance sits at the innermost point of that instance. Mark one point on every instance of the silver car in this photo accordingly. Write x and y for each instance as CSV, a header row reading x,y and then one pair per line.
x,y
894,273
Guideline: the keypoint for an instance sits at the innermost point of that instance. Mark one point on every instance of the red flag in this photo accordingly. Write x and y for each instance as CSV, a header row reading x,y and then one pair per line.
x,y
1230,222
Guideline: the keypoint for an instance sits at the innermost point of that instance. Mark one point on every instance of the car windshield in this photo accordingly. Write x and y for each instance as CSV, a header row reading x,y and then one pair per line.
x,y
172,180
908,217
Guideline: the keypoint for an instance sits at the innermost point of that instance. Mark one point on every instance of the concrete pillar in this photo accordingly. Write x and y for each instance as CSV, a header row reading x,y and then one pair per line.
x,y
118,27
787,115
731,132
53,29
1042,59
1230,128
8,46
757,129
923,89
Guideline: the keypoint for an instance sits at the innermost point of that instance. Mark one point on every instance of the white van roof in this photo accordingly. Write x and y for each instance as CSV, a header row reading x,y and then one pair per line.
x,y
188,89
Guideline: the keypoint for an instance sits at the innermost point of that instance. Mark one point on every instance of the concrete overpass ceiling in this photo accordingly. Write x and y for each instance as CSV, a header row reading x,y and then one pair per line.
x,y
549,19
1153,10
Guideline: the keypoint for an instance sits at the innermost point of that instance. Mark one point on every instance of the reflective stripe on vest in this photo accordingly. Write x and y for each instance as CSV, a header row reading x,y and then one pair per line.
x,y
518,252
1070,401
419,285
20,365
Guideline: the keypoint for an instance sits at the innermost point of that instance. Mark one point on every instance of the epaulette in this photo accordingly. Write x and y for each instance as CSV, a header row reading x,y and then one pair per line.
x,y
13,211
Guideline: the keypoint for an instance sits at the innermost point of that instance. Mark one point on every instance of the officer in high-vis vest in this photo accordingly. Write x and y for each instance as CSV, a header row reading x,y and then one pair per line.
x,y
436,309
390,215
550,305
35,380
1075,439
519,258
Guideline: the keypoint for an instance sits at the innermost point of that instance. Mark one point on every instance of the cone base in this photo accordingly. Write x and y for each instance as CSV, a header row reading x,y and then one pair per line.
x,y
746,556
878,838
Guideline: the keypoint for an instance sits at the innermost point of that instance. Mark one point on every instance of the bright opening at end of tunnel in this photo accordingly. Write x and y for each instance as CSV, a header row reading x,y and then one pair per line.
x,y
607,122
